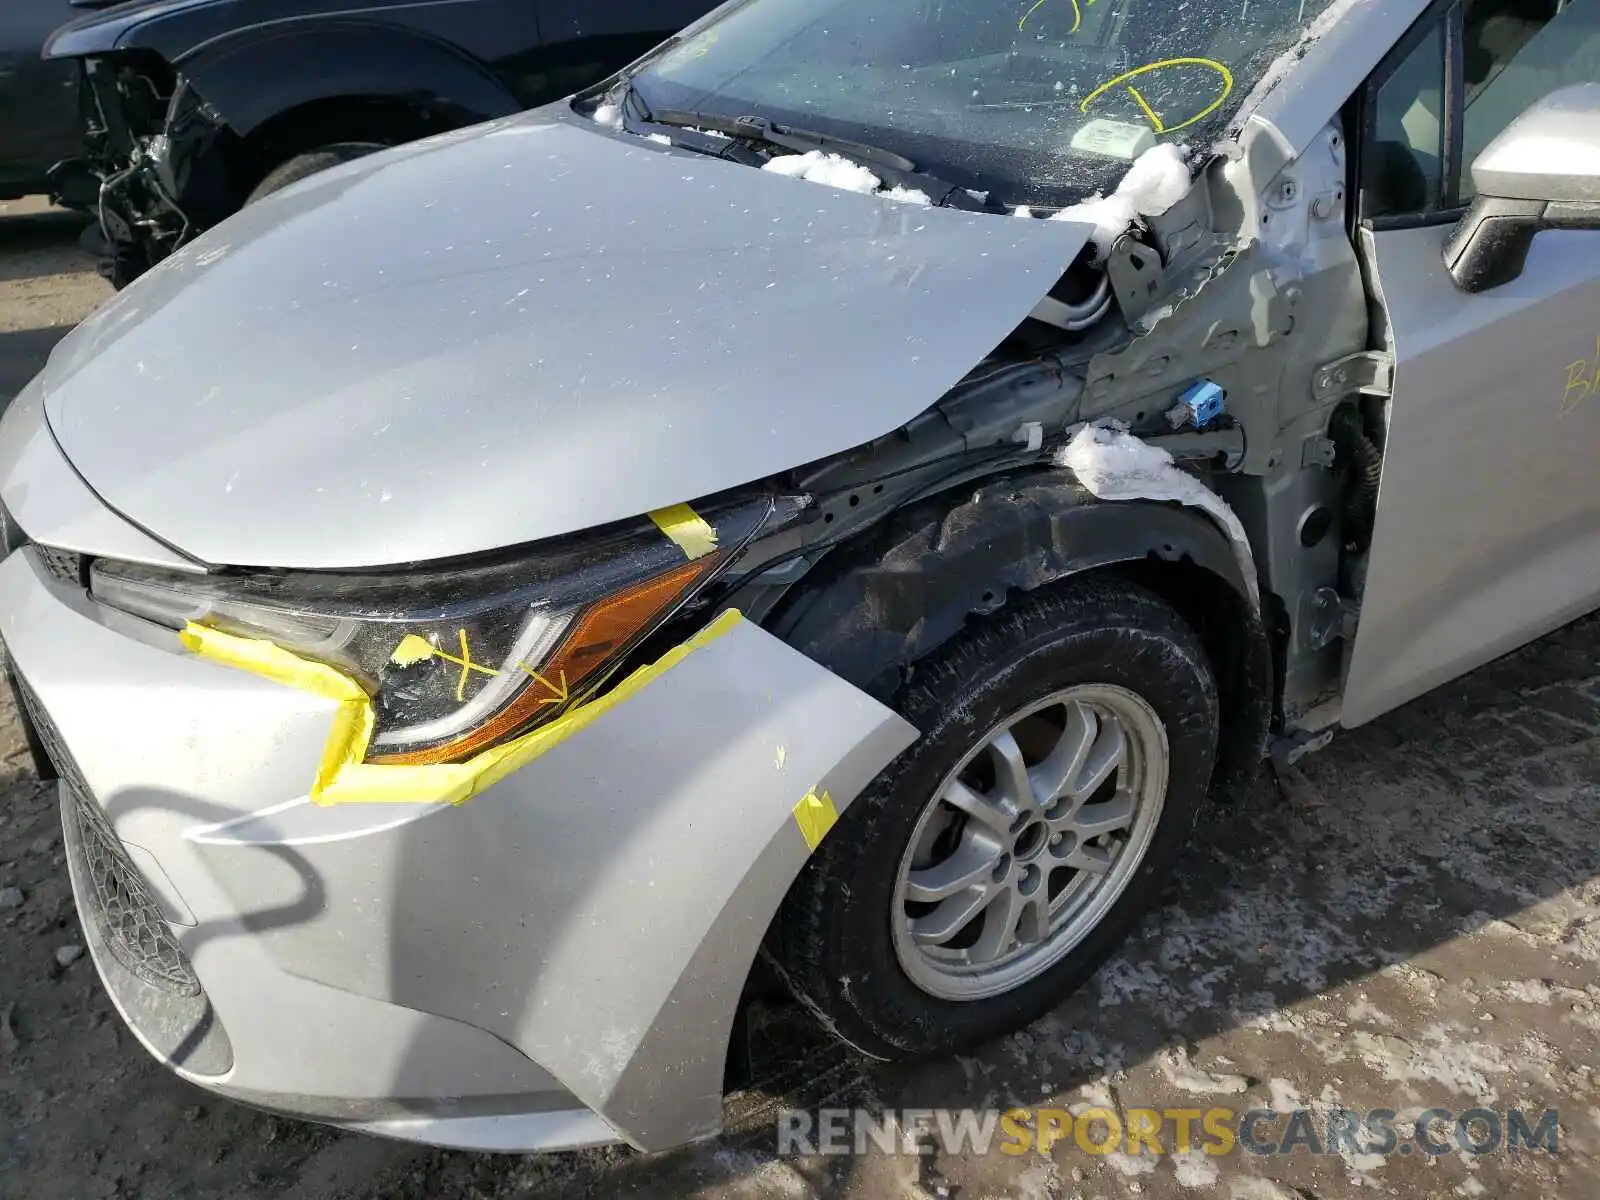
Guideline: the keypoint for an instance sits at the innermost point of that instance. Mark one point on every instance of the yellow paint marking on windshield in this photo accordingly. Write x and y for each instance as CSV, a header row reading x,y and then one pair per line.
x,y
1156,121
1150,113
1077,14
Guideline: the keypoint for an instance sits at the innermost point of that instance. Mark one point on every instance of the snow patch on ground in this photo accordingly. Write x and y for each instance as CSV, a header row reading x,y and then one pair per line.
x,y
1115,465
1259,1189
1157,180
833,170
1132,1165
1439,1057
1195,1171
1183,1074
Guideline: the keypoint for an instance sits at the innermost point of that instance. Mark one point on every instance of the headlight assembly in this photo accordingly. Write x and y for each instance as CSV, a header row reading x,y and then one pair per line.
x,y
457,659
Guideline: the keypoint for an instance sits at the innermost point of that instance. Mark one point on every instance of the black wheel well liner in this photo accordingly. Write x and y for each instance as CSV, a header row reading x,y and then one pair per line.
x,y
879,603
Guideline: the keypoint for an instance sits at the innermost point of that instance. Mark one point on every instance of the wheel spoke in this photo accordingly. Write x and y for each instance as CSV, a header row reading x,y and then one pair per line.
x,y
1091,820
1066,759
972,863
1109,750
1011,772
1034,920
999,926
951,917
1096,860
991,811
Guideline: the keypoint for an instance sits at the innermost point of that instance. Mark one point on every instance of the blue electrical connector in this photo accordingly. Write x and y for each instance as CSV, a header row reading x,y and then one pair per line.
x,y
1203,402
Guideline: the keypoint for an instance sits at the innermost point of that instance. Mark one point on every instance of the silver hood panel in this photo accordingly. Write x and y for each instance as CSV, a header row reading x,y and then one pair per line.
x,y
517,331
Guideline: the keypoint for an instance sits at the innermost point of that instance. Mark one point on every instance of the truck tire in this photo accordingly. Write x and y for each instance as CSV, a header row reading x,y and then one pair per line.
x,y
303,165
1067,746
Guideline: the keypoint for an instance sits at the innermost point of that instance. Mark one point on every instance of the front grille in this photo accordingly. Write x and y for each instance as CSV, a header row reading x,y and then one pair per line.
x,y
64,566
127,911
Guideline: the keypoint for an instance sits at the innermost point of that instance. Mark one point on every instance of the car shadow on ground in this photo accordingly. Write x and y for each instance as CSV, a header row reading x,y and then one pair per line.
x,y
49,277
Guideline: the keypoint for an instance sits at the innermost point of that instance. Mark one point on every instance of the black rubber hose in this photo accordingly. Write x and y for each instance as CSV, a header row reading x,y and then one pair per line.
x,y
1361,507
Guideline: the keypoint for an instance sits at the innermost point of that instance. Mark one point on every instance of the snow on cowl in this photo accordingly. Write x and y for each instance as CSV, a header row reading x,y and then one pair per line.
x,y
1157,180
833,170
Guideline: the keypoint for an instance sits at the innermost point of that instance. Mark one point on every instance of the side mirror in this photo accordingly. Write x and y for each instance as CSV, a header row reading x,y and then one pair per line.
x,y
1542,172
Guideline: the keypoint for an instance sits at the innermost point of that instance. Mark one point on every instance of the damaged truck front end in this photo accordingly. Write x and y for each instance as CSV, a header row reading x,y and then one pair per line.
x,y
192,110
155,164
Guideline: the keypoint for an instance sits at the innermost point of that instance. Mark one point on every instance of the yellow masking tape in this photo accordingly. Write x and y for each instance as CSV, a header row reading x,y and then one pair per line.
x,y
815,815
343,778
687,528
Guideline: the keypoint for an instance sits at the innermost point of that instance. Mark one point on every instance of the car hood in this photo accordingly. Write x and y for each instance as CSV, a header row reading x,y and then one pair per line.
x,y
518,331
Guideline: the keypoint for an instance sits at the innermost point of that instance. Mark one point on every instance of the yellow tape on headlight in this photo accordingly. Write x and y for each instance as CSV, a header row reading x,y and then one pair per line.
x,y
344,778
689,531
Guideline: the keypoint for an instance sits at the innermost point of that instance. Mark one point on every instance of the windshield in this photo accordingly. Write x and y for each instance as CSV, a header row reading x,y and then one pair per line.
x,y
1041,101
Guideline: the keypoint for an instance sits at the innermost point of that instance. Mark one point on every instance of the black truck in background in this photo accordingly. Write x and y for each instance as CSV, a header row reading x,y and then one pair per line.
x,y
39,123
192,108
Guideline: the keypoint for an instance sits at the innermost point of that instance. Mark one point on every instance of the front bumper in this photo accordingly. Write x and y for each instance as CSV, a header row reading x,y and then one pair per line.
x,y
556,963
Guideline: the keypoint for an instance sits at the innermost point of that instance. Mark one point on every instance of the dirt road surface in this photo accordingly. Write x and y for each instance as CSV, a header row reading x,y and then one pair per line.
x,y
1411,921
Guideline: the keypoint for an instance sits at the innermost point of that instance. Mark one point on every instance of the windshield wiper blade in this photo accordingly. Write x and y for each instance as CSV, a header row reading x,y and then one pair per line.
x,y
893,168
789,137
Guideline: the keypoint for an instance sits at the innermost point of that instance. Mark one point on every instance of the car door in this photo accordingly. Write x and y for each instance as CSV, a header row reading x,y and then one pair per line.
x,y
1487,532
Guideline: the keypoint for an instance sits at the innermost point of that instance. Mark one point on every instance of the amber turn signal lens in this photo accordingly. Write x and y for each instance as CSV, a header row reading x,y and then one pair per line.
x,y
602,631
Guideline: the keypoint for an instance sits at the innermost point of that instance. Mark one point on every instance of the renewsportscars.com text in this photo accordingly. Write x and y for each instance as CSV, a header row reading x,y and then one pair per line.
x,y
1137,1130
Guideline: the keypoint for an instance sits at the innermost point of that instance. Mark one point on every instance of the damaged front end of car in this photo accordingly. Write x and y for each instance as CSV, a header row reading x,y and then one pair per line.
x,y
155,164
1166,413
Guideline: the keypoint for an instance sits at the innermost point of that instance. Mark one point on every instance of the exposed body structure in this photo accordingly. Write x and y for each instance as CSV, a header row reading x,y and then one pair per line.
x,y
631,538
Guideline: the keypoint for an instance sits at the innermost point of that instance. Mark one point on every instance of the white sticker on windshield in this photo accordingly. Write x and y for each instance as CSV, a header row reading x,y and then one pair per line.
x,y
1113,139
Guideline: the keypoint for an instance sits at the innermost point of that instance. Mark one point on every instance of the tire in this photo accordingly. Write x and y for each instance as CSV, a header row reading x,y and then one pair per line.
x,y
302,166
1084,643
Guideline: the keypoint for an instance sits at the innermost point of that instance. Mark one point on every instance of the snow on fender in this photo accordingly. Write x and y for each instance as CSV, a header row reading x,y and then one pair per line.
x,y
1113,464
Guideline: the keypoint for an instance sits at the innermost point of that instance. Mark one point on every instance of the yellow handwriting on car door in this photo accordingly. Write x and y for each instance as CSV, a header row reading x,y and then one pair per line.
x,y
1583,380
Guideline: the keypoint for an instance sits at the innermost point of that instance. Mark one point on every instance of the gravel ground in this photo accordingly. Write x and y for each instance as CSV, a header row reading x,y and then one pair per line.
x,y
1411,921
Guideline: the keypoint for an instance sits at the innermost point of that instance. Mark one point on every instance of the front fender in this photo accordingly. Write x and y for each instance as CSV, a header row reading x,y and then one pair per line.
x,y
251,77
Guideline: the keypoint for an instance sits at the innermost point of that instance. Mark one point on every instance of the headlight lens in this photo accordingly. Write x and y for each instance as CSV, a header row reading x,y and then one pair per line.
x,y
457,659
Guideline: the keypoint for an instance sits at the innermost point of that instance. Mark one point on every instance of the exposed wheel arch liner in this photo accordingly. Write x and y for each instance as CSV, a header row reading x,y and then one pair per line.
x,y
876,606
254,76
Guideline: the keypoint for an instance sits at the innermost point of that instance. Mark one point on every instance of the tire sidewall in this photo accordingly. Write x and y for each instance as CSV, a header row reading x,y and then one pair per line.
x,y
313,162
1028,661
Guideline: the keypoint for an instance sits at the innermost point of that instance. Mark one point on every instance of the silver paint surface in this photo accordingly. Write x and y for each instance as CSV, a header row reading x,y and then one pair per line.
x,y
1551,152
574,938
517,331
50,502
1488,525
